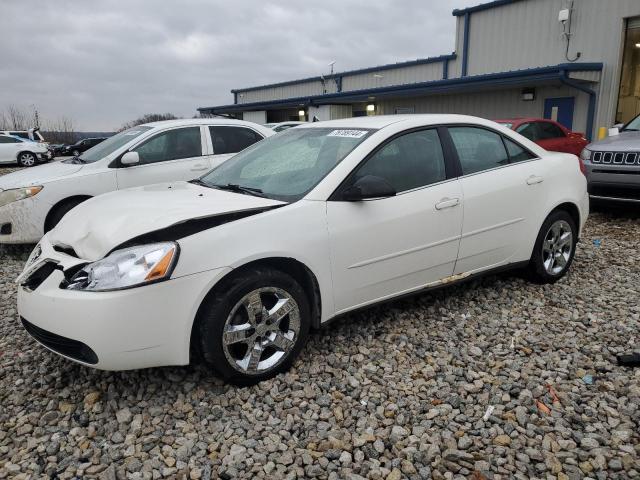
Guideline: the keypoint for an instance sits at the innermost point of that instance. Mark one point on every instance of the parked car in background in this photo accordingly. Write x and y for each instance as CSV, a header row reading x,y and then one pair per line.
x,y
25,153
613,165
31,134
56,149
282,126
311,223
80,146
548,134
33,201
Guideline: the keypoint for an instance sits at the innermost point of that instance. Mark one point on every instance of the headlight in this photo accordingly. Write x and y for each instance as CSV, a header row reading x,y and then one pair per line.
x,y
15,194
585,154
126,268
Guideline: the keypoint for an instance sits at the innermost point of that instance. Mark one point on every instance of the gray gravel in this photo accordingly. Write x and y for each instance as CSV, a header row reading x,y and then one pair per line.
x,y
445,385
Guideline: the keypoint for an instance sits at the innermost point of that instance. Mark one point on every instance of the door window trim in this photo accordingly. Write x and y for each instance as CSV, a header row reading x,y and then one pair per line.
x,y
141,141
450,167
502,136
209,140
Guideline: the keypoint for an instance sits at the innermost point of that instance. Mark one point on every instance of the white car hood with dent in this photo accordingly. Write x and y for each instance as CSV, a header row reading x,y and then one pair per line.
x,y
102,223
38,175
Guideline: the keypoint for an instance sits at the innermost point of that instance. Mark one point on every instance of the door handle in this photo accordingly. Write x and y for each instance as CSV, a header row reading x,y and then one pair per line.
x,y
199,167
447,203
533,179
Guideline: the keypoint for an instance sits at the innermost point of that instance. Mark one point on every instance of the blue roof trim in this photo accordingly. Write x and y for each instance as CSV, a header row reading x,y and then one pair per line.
x,y
482,6
435,86
389,66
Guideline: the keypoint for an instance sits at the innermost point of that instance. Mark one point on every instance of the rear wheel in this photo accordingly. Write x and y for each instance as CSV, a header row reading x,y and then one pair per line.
x,y
253,326
27,159
554,249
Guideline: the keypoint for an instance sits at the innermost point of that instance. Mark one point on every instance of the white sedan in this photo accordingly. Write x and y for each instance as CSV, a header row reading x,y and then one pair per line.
x,y
314,222
33,201
25,153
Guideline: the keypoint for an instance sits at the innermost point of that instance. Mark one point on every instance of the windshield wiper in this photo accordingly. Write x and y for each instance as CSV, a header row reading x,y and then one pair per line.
x,y
234,187
630,130
197,181
77,159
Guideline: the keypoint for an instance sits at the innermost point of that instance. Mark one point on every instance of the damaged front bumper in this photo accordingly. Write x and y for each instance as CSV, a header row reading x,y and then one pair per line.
x,y
141,327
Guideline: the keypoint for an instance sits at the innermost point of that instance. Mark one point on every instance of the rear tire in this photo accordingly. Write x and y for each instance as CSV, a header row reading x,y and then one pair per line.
x,y
253,325
27,159
60,211
554,249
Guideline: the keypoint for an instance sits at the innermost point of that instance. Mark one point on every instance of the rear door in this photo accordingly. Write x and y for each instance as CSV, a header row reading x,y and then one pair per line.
x,y
502,184
170,155
388,246
227,140
9,148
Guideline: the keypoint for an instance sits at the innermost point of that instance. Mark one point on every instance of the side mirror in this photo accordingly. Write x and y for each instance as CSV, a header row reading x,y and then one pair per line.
x,y
130,158
368,187
613,132
618,126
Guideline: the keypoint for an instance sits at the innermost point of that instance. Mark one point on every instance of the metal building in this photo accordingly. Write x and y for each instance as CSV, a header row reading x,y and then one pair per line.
x,y
576,61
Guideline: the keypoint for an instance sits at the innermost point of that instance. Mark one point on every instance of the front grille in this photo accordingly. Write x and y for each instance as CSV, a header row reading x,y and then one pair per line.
x,y
34,280
62,345
616,158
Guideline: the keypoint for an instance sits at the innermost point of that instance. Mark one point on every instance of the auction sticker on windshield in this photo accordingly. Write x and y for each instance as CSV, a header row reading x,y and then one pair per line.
x,y
348,133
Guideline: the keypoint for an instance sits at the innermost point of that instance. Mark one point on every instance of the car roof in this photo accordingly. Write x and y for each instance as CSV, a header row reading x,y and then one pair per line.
x,y
524,120
381,121
197,121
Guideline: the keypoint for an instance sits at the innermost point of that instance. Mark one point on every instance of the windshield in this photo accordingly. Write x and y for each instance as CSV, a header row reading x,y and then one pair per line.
x,y
288,165
111,144
633,125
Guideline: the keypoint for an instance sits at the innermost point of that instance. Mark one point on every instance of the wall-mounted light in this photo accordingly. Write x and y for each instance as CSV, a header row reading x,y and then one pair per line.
x,y
301,113
528,94
371,107
637,45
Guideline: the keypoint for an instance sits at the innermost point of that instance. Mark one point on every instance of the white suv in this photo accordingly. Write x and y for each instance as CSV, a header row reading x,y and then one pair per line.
x,y
25,153
33,201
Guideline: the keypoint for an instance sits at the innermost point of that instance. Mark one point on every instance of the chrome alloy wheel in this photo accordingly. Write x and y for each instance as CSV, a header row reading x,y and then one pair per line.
x,y
557,247
261,330
27,159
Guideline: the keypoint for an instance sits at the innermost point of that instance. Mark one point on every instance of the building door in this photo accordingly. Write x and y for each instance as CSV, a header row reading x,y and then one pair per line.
x,y
629,92
560,110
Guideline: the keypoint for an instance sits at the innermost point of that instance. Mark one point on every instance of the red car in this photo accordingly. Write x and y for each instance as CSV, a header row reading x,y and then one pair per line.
x,y
548,134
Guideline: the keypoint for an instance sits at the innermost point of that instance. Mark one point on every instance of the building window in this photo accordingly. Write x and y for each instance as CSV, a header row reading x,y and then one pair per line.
x,y
629,94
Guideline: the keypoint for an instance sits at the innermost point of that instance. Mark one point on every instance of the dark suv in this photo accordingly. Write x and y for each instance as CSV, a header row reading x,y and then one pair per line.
x,y
613,165
82,146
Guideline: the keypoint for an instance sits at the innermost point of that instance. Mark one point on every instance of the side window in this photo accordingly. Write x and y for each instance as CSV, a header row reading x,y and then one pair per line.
x,y
478,149
516,152
232,139
8,140
529,131
548,131
407,162
171,145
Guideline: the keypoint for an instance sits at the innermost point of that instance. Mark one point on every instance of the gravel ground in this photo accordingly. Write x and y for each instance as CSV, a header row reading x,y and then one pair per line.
x,y
497,378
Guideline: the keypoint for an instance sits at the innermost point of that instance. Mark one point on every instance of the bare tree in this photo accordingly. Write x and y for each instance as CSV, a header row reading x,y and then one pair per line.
x,y
148,117
59,130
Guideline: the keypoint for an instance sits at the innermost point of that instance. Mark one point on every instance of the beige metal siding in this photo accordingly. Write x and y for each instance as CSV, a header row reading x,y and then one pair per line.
x,y
492,104
396,76
527,34
304,89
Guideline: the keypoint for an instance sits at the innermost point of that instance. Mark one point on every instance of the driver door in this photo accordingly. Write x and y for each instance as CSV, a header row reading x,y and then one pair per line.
x,y
384,247
171,155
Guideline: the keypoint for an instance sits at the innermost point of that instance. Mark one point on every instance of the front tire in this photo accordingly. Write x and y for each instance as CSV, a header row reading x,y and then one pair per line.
x,y
27,159
253,325
554,249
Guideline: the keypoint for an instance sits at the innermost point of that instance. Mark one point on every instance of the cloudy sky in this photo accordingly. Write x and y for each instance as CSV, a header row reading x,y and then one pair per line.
x,y
103,63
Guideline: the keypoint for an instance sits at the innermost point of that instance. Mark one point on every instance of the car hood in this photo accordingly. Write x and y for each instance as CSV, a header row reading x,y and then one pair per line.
x,y
38,175
100,224
623,142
